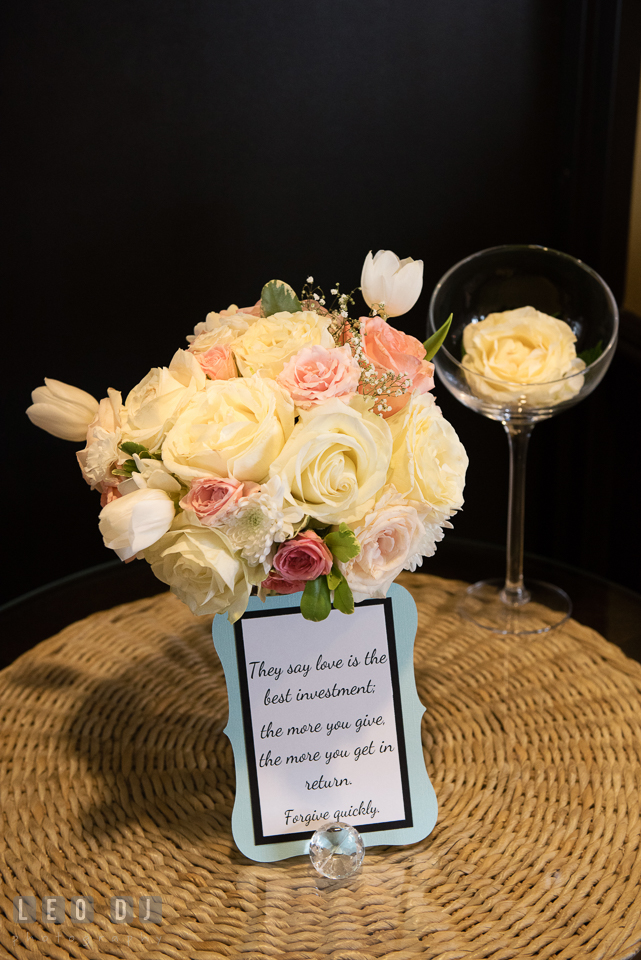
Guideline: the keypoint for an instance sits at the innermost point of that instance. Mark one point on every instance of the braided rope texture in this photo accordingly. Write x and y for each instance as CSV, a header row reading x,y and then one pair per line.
x,y
116,779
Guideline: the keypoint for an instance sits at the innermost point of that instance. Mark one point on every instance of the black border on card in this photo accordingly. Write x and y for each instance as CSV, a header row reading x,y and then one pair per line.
x,y
259,836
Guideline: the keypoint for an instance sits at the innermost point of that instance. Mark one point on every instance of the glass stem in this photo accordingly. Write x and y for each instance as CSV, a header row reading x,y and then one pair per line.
x,y
514,593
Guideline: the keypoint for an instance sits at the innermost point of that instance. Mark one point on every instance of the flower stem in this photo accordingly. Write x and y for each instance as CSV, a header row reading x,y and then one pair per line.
x,y
514,593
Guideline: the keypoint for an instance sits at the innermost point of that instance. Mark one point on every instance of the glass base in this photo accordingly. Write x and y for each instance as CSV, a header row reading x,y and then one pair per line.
x,y
337,851
484,605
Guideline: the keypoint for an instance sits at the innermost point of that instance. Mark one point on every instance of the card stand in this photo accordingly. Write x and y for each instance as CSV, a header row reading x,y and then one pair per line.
x,y
325,724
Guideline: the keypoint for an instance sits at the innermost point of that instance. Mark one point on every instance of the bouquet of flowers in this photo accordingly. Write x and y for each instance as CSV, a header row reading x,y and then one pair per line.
x,y
289,448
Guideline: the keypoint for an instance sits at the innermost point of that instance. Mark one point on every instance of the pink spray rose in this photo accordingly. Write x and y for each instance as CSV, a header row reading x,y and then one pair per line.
x,y
218,363
211,498
397,352
316,374
279,585
303,558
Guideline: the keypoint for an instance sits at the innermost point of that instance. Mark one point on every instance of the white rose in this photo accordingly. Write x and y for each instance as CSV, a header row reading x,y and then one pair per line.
x,y
134,522
225,327
393,537
103,441
391,285
270,342
428,460
231,428
336,460
201,568
152,407
522,347
62,410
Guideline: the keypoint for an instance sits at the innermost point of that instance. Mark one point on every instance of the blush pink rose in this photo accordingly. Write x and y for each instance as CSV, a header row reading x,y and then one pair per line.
x,y
218,363
392,350
316,374
211,498
303,558
251,311
108,492
279,585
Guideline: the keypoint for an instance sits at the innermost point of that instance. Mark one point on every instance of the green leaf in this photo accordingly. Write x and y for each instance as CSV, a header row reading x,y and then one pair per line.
x,y
435,342
343,543
334,578
126,469
315,603
278,295
343,599
589,356
130,447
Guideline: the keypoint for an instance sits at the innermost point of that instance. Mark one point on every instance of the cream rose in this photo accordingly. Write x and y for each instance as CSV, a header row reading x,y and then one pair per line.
x,y
269,343
152,407
392,537
233,428
336,460
200,567
428,460
520,348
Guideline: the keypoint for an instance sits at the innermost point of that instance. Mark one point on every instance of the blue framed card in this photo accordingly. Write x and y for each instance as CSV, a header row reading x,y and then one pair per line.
x,y
325,724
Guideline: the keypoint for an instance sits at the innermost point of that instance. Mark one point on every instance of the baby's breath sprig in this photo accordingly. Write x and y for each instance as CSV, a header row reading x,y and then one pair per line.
x,y
313,292
381,386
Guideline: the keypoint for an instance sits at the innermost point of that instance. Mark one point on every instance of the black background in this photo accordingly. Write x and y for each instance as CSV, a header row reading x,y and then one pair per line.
x,y
163,159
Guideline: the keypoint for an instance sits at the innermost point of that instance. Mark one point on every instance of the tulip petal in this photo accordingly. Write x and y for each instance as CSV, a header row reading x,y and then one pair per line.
x,y
58,422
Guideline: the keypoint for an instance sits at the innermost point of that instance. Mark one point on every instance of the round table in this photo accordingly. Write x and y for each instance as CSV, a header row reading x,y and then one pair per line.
x,y
116,780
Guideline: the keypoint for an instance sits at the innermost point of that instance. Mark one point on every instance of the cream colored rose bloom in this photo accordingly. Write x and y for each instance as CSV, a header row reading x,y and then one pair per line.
x,y
428,460
393,537
220,330
152,407
201,568
336,460
518,348
232,428
270,342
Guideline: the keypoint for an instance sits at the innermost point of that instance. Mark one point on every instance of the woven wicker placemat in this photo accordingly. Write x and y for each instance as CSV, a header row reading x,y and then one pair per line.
x,y
117,779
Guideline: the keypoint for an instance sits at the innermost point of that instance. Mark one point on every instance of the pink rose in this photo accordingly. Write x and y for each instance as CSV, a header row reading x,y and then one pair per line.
x,y
217,362
279,585
303,558
316,374
397,352
251,311
108,492
211,498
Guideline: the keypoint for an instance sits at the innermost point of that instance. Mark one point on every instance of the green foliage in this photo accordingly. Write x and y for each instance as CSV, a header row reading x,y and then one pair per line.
x,y
130,447
435,342
343,544
334,578
592,354
126,469
343,599
315,603
278,295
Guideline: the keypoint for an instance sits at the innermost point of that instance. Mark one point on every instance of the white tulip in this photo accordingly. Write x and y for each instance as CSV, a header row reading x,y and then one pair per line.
x,y
390,285
62,410
132,523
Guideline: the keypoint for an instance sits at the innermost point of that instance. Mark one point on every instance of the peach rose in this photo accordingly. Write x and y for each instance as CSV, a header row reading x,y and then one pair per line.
x,y
303,558
393,351
316,374
211,497
217,362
